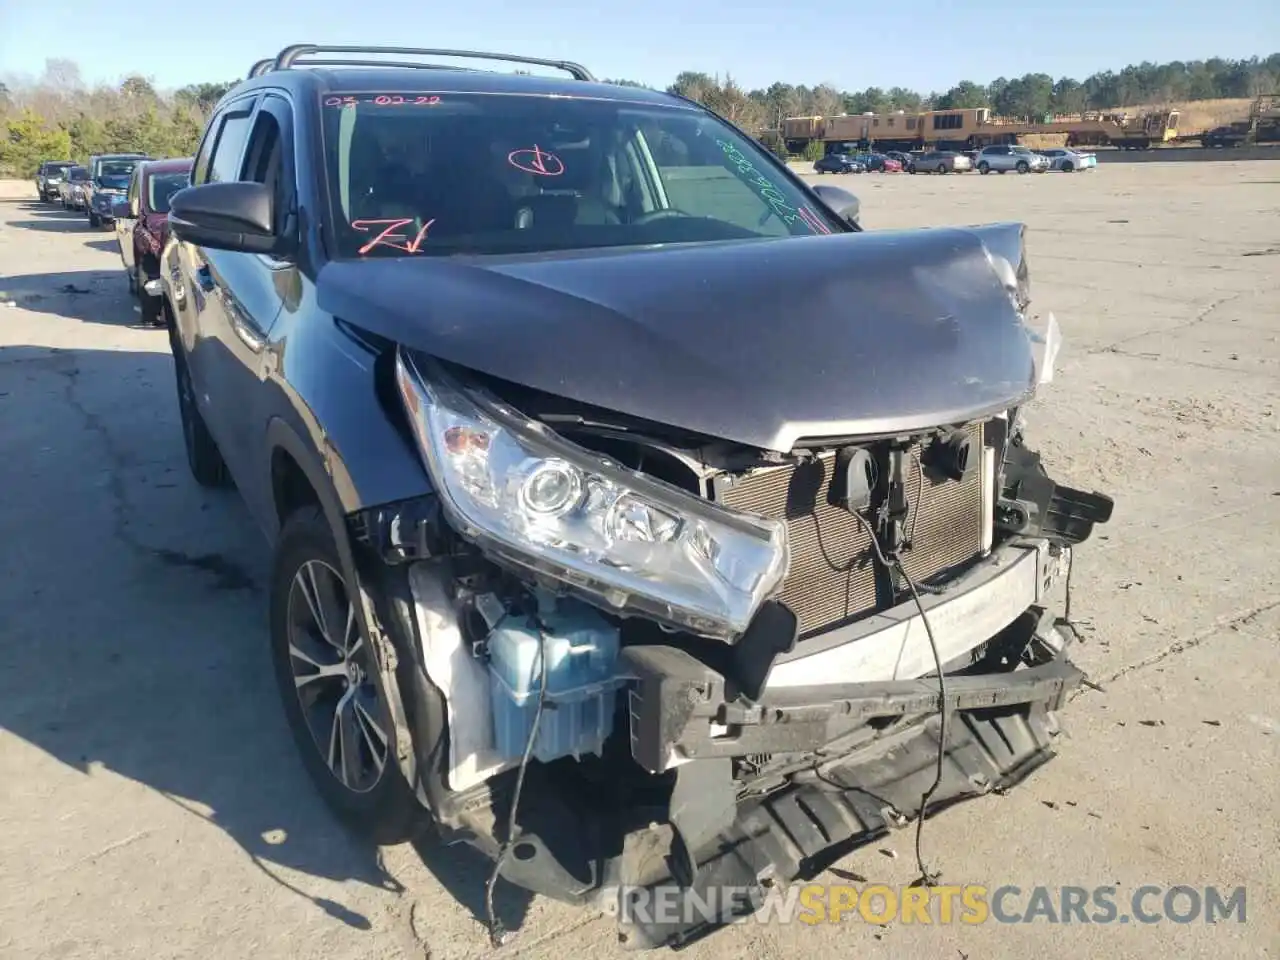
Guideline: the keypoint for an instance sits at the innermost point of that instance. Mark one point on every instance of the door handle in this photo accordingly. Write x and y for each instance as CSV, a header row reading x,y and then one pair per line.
x,y
205,279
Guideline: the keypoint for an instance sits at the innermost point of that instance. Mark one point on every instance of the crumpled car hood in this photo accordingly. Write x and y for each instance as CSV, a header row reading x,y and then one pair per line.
x,y
760,342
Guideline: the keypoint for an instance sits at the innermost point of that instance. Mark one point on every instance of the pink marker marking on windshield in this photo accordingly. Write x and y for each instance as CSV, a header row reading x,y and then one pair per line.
x,y
814,223
537,161
389,237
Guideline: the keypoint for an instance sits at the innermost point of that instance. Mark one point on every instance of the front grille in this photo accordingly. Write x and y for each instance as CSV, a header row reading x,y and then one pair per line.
x,y
833,578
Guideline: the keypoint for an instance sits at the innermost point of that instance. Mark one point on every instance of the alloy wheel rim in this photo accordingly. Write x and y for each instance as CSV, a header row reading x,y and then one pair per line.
x,y
332,673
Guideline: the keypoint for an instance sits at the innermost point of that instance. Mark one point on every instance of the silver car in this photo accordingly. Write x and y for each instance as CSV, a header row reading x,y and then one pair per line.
x,y
1005,157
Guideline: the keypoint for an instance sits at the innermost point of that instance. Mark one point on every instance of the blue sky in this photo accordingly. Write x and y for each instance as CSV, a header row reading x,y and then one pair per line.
x,y
922,44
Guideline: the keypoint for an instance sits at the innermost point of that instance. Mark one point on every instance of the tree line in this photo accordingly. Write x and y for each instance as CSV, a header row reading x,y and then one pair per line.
x,y
58,116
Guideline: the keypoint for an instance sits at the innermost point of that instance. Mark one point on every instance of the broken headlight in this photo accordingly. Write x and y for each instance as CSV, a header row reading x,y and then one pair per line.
x,y
629,542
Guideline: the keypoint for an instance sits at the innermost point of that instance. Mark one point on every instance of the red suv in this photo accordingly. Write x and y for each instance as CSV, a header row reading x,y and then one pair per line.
x,y
142,225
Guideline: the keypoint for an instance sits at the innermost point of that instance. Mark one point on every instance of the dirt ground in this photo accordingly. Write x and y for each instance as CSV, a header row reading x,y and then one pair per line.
x,y
151,804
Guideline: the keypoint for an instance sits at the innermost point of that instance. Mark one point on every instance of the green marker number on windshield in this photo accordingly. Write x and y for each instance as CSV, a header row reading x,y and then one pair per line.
x,y
768,192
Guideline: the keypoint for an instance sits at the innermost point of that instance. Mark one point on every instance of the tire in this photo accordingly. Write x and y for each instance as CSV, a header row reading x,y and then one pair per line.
x,y
942,168
95,221
984,168
150,306
1067,167
369,795
203,458
1022,166
911,168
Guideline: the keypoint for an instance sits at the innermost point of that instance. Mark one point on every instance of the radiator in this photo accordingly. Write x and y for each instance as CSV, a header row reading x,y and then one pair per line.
x,y
833,580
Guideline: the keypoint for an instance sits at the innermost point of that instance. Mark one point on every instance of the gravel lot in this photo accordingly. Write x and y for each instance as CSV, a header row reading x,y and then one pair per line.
x,y
150,801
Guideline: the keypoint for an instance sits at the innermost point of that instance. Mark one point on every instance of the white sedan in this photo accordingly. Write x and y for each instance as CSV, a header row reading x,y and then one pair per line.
x,y
1069,161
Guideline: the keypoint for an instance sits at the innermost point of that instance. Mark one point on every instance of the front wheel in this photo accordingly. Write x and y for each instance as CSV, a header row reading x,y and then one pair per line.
x,y
1022,166
95,221
325,668
911,169
984,168
1067,167
942,168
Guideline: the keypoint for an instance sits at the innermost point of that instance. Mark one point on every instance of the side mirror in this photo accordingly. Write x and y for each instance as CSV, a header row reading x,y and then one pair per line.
x,y
841,202
225,216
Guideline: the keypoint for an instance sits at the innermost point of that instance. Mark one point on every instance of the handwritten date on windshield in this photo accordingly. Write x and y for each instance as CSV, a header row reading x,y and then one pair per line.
x,y
391,235
383,100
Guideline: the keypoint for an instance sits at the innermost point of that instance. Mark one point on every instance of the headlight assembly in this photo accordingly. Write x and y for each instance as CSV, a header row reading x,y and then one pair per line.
x,y
533,500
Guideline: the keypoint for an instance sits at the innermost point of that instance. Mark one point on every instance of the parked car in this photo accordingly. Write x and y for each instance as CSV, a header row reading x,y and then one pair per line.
x,y
142,226
838,163
110,173
541,427
900,156
939,161
73,191
878,163
49,175
1068,160
1005,157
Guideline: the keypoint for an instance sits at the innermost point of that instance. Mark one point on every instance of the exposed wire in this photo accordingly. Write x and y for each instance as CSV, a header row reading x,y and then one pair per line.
x,y
915,514
496,933
1065,620
926,878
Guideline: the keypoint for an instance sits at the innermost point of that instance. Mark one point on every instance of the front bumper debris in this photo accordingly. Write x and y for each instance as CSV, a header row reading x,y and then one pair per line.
x,y
1001,727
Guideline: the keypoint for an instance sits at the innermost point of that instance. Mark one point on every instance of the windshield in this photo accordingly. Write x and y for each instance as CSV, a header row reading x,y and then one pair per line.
x,y
115,169
77,173
56,169
162,187
483,174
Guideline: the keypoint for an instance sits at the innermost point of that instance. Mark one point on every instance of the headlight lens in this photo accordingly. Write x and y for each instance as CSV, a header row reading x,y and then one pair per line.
x,y
625,540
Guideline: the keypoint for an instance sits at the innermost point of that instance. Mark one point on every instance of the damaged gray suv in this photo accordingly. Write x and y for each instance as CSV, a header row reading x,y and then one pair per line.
x,y
638,519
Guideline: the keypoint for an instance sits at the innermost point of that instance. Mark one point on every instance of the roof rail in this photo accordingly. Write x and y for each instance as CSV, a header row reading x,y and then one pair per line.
x,y
291,55
260,67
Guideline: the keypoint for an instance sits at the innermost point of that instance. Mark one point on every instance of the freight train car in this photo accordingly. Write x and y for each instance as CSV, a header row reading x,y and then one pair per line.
x,y
975,127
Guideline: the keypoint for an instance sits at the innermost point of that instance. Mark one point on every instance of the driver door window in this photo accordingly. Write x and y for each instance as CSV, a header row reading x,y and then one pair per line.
x,y
224,164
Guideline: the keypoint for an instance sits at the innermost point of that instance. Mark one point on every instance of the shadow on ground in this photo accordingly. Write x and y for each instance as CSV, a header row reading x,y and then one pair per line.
x,y
48,218
133,624
90,296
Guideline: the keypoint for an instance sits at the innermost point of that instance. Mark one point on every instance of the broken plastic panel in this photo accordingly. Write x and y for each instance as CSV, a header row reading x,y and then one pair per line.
x,y
1046,342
